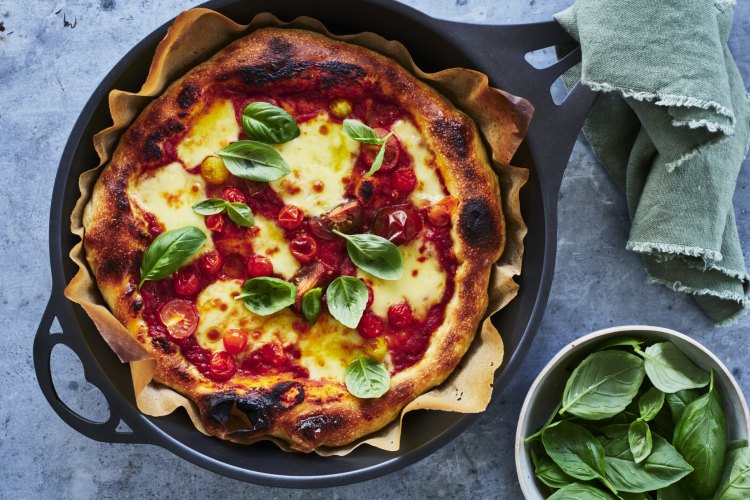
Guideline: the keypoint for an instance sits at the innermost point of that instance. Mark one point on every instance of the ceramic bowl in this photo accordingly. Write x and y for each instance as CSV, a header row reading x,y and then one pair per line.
x,y
547,390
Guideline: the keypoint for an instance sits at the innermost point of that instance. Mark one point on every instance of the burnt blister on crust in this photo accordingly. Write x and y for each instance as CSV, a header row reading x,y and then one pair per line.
x,y
332,72
260,408
188,96
478,224
312,428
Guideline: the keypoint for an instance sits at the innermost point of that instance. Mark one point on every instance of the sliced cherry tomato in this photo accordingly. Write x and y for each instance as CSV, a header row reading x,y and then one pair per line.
x,y
210,263
398,224
440,213
222,366
390,157
304,248
370,326
259,265
180,317
290,217
272,353
235,341
186,283
404,180
400,315
233,194
215,222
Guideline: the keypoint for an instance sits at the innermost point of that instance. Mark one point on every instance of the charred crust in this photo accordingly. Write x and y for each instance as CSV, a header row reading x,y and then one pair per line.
x,y
477,223
279,48
174,125
331,72
161,344
217,408
137,305
152,147
454,134
313,428
188,95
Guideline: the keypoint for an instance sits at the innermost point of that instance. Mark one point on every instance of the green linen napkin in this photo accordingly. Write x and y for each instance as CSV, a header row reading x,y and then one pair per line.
x,y
671,127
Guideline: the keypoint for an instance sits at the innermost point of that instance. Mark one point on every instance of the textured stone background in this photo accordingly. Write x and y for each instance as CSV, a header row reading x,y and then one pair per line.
x,y
52,56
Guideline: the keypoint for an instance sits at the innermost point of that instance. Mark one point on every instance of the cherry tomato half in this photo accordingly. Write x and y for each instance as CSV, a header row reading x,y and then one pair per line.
x,y
400,315
398,224
259,265
210,263
440,213
186,283
370,326
180,317
404,180
390,157
233,194
235,341
304,248
290,217
215,222
222,366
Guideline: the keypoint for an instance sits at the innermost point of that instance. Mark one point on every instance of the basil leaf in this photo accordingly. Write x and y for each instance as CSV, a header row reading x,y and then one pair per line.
x,y
578,491
267,123
633,496
377,162
650,403
672,492
548,472
254,161
664,466
639,440
620,342
603,385
550,419
265,296
169,251
240,214
701,437
367,379
670,370
311,305
361,132
347,298
211,206
736,444
578,453
662,423
735,483
374,254
677,402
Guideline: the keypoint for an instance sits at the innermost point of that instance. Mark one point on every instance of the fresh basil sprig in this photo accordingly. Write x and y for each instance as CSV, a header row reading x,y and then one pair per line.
x,y
254,161
240,213
346,297
367,379
311,305
169,251
362,133
374,254
265,296
267,123
603,385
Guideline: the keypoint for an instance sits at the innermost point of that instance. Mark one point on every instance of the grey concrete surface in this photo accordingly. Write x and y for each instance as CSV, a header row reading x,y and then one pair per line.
x,y
52,56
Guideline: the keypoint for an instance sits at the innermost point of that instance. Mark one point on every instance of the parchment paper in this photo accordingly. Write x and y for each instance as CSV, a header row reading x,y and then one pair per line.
x,y
502,119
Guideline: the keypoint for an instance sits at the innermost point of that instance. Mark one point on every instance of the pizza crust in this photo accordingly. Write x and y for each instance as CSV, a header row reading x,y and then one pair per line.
x,y
478,229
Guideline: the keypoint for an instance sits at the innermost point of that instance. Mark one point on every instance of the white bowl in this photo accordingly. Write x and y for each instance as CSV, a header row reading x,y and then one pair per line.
x,y
547,390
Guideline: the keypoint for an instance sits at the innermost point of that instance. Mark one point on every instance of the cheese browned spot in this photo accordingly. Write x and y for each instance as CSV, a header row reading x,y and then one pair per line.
x,y
319,162
421,286
212,130
429,189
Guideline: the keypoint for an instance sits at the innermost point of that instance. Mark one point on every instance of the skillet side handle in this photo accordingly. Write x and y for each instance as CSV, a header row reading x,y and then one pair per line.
x,y
44,342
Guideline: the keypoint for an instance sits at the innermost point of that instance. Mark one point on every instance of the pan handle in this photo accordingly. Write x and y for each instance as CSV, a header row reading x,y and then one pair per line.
x,y
44,342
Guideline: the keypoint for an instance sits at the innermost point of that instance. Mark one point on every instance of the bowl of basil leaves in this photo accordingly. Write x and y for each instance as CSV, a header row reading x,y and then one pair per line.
x,y
634,412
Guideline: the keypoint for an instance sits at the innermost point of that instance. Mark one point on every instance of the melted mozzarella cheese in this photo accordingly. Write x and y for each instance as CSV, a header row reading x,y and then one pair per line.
x,y
429,189
320,158
327,347
421,286
169,193
220,311
214,129
270,242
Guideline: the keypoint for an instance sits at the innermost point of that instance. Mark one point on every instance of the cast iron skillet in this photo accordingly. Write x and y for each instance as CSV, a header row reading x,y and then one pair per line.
x,y
497,51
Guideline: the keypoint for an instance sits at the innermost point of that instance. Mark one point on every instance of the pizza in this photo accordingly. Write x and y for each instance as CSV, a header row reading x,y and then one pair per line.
x,y
300,233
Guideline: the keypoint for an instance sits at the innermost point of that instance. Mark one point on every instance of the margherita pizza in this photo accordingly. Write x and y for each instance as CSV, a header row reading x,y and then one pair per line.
x,y
300,232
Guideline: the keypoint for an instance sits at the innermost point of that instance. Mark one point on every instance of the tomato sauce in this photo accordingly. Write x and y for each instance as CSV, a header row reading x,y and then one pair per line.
x,y
387,187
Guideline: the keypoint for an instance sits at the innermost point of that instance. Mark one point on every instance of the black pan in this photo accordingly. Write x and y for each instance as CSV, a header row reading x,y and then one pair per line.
x,y
497,51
